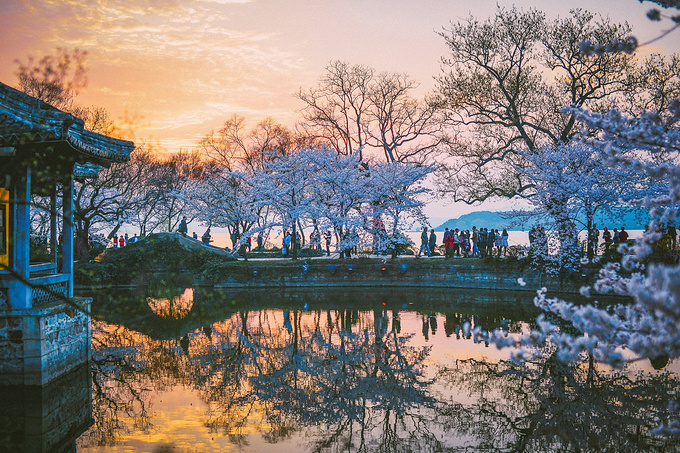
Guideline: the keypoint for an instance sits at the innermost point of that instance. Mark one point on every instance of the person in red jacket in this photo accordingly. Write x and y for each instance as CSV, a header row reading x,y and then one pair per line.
x,y
623,235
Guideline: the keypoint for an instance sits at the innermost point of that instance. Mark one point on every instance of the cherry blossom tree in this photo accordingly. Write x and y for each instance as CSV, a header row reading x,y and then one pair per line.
x,y
648,327
331,191
504,83
338,191
397,192
220,198
285,185
571,182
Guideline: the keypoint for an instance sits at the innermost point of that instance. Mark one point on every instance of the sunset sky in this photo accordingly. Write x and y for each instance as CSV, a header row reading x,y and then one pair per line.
x,y
185,66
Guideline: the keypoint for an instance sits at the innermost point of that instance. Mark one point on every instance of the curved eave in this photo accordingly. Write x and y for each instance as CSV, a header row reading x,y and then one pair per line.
x,y
99,146
86,171
25,120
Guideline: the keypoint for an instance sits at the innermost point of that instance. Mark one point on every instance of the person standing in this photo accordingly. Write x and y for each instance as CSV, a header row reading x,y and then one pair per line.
x,y
475,240
606,237
623,235
490,241
432,243
183,228
206,237
327,238
504,241
497,242
449,243
298,242
455,250
260,240
465,249
424,241
121,241
287,239
594,239
481,242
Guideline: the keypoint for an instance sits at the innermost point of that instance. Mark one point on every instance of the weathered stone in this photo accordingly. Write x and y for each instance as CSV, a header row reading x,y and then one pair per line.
x,y
45,419
393,273
16,336
47,342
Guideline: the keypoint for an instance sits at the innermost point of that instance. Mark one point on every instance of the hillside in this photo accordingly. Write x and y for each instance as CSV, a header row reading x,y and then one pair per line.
x,y
632,219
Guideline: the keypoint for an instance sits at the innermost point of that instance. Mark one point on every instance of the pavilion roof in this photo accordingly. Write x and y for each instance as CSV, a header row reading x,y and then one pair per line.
x,y
25,120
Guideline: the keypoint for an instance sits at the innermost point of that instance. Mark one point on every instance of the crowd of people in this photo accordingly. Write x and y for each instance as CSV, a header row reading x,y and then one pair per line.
x,y
290,243
669,237
477,243
474,243
609,237
119,241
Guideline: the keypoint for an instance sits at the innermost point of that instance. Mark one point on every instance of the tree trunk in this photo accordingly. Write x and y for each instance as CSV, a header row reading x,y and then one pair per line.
x,y
293,241
590,238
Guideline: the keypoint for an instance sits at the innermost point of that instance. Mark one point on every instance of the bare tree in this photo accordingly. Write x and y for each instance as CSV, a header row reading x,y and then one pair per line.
x,y
336,110
353,107
402,126
54,79
234,148
108,199
505,82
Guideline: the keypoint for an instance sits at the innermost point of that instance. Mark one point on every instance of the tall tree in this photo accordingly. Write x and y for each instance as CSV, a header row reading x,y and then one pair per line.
x,y
572,182
54,79
109,199
233,147
354,109
504,84
336,110
648,327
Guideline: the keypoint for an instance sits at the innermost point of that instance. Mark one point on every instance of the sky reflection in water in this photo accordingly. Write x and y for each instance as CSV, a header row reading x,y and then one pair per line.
x,y
183,370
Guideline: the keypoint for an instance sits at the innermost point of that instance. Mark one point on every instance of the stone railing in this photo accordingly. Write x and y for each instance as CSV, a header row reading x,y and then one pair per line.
x,y
45,289
400,273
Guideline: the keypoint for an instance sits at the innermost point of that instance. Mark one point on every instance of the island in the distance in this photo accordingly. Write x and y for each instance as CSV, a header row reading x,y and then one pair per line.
x,y
631,218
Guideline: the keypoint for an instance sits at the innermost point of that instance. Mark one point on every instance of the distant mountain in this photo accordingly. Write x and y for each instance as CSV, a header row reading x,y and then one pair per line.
x,y
480,219
632,219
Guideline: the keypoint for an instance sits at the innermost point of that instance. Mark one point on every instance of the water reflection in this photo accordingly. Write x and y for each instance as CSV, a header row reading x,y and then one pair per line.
x,y
172,307
46,419
552,406
353,371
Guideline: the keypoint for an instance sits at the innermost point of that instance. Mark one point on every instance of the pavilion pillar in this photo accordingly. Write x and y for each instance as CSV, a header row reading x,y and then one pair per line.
x,y
67,232
20,292
53,224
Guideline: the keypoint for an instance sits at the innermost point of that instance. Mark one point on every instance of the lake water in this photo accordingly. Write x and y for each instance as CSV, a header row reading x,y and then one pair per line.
x,y
182,369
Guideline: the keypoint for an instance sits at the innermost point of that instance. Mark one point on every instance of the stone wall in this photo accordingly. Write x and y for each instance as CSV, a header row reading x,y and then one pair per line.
x,y
38,345
46,419
391,273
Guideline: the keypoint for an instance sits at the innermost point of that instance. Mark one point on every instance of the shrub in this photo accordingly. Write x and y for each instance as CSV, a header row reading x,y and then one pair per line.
x,y
128,263
309,253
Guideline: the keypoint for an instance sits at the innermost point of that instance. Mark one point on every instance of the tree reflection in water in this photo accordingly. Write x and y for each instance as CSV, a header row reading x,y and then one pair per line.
x,y
344,379
550,405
